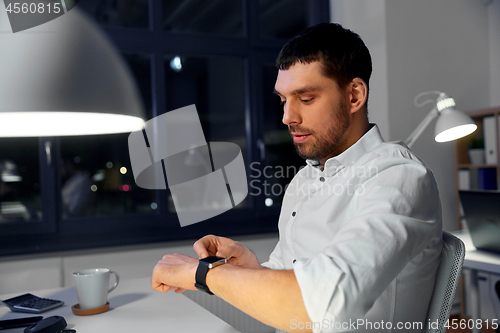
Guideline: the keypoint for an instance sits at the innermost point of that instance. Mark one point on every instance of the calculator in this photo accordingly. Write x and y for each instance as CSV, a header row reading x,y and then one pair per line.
x,y
31,303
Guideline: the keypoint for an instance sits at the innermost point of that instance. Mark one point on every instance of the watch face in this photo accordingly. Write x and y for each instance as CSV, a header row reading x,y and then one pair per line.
x,y
212,259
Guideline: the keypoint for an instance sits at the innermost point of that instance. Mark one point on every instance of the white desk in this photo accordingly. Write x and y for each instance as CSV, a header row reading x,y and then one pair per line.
x,y
477,260
134,307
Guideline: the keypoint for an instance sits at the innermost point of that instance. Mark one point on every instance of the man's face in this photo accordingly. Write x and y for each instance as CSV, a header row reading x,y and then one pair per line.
x,y
316,111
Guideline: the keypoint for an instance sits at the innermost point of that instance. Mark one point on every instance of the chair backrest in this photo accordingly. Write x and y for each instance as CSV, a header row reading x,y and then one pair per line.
x,y
448,275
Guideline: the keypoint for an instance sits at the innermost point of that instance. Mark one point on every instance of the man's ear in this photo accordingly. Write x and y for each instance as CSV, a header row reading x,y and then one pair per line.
x,y
358,93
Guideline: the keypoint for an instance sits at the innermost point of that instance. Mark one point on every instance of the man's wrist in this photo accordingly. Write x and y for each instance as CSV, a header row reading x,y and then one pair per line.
x,y
204,266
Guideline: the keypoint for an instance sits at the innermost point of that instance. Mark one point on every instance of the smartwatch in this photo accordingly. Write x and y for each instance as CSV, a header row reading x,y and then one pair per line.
x,y
201,273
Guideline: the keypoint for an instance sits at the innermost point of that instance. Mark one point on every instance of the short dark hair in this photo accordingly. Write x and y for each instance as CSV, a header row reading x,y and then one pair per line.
x,y
343,54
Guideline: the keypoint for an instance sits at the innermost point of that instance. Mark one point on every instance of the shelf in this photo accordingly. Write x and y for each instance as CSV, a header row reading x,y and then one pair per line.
x,y
475,166
484,112
462,161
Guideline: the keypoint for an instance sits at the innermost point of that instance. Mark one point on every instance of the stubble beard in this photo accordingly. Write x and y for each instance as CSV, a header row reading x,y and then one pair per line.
x,y
328,143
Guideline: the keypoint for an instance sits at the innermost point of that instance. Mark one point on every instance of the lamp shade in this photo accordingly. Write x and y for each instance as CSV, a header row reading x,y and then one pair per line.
x,y
64,78
452,124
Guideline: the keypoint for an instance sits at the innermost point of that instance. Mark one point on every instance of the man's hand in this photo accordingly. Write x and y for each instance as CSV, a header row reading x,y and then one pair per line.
x,y
174,272
236,253
271,296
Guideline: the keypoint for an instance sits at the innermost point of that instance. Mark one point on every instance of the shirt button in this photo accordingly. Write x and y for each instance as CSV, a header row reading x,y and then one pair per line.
x,y
293,214
321,179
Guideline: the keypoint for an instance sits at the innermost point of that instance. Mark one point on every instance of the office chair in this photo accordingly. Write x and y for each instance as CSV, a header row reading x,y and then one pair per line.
x,y
448,275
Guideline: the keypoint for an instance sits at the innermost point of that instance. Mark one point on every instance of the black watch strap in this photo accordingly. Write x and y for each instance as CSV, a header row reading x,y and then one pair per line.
x,y
201,278
204,265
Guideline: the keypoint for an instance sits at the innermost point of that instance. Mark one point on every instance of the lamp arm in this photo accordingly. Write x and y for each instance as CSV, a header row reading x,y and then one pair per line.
x,y
421,127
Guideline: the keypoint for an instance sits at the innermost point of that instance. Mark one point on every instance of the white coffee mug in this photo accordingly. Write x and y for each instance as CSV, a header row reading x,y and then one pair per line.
x,y
92,287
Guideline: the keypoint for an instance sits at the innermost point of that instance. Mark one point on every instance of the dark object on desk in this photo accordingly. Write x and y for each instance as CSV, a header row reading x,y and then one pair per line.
x,y
497,289
482,212
54,324
31,304
19,322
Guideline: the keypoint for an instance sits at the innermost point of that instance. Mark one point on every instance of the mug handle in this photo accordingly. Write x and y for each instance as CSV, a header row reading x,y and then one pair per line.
x,y
117,278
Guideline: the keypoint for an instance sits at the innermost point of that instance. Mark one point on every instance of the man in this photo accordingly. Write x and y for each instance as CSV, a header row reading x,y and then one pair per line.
x,y
360,225
76,193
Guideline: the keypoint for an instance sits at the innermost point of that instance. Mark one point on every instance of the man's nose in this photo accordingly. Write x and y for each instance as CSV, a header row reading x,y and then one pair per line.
x,y
291,114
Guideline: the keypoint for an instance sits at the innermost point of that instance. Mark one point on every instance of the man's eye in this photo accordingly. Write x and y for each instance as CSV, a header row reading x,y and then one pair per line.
x,y
306,100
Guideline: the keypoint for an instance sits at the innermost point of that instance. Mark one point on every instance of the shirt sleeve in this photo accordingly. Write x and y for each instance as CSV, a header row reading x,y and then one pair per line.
x,y
275,261
397,215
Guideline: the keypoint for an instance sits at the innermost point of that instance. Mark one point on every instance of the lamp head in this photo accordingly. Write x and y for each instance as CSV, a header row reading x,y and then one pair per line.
x,y
452,124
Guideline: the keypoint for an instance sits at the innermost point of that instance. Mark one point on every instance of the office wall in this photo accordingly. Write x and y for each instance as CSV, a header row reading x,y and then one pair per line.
x,y
494,41
429,45
367,19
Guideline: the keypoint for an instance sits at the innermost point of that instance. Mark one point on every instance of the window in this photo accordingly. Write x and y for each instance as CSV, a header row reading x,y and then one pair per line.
x,y
222,17
216,54
19,181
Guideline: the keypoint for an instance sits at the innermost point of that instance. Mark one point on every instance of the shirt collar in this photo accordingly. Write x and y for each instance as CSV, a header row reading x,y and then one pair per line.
x,y
366,143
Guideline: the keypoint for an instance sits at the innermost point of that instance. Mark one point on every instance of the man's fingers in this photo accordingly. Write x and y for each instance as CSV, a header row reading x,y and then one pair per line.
x,y
233,261
160,286
206,246
211,245
224,253
200,249
174,272
233,250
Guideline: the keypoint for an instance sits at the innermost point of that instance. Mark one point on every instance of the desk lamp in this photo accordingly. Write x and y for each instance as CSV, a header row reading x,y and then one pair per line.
x,y
64,78
452,124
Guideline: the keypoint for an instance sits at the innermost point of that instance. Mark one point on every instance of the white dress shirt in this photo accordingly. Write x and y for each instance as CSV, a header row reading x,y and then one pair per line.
x,y
363,237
